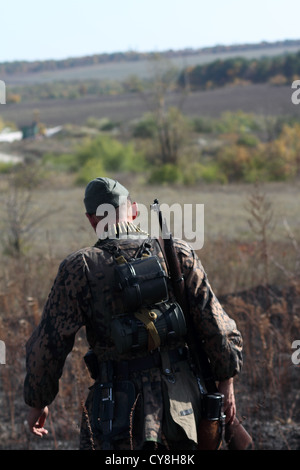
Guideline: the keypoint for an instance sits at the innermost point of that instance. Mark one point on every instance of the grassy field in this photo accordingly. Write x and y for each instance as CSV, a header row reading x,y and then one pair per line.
x,y
224,206
229,239
226,226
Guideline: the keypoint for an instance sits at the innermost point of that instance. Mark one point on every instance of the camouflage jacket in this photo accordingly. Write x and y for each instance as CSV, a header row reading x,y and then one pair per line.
x,y
82,295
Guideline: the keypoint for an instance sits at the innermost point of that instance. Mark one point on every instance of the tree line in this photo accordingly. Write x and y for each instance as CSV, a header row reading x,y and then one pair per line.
x,y
23,66
277,70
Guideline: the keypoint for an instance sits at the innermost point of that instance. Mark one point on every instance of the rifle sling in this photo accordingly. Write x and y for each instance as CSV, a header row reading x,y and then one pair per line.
x,y
179,289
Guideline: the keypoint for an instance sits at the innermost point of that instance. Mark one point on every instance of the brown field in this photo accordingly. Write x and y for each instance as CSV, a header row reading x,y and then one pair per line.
x,y
267,313
262,99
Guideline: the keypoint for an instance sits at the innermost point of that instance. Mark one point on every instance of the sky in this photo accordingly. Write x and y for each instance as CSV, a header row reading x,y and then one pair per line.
x,y
58,29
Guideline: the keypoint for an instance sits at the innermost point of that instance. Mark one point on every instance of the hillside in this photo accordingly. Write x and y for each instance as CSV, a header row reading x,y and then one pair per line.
x,y
102,86
119,66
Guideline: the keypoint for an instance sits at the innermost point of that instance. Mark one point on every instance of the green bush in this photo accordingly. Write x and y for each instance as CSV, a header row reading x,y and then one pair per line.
x,y
146,128
256,169
133,161
191,173
211,173
108,155
238,121
113,155
63,162
249,140
202,125
91,169
208,173
6,168
167,173
103,153
264,162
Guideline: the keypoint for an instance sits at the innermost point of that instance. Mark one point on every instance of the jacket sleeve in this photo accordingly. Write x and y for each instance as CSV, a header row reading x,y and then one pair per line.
x,y
53,338
215,330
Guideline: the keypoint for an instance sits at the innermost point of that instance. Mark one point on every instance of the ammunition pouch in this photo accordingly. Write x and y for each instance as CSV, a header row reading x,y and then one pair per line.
x,y
148,328
114,394
111,410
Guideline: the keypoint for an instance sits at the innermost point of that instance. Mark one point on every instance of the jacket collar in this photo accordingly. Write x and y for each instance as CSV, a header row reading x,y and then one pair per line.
x,y
121,230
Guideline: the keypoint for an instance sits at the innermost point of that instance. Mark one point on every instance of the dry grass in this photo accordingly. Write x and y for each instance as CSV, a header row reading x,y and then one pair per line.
x,y
267,316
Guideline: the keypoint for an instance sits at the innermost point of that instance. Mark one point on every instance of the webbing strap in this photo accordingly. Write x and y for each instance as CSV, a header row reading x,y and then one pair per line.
x,y
147,317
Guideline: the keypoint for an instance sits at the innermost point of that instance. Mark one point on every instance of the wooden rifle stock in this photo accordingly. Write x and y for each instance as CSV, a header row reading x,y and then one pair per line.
x,y
209,434
236,436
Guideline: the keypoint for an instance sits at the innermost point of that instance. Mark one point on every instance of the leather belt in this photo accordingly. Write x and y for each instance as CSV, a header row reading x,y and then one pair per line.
x,y
125,368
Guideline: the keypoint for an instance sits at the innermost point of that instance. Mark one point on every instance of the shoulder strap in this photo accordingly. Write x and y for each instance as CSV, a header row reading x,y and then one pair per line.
x,y
114,248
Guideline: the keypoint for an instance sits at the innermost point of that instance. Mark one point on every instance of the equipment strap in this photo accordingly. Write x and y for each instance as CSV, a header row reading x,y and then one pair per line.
x,y
147,317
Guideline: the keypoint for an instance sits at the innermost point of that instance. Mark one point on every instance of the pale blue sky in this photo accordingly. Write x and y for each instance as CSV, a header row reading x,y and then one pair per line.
x,y
38,30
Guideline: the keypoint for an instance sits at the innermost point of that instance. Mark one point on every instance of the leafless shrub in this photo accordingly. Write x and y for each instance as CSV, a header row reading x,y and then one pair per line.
x,y
293,273
20,215
261,223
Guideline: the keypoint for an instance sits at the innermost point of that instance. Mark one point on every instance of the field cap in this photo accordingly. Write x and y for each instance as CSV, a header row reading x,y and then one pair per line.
x,y
103,191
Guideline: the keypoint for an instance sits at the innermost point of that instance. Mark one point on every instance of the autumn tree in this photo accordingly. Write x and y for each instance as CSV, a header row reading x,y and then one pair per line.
x,y
169,125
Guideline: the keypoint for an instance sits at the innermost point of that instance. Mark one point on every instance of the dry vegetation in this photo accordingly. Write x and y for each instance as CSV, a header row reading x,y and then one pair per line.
x,y
251,253
252,257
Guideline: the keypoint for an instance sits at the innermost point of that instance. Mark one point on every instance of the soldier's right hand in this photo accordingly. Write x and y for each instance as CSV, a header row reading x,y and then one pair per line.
x,y
36,420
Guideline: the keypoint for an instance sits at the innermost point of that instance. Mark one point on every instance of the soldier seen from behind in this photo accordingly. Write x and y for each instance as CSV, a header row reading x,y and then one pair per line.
x,y
149,389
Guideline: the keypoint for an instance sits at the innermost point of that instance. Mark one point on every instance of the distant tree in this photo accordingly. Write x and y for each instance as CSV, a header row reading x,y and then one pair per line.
x,y
223,72
169,123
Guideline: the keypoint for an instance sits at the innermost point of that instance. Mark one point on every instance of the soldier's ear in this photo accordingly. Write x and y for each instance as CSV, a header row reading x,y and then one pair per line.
x,y
92,219
134,210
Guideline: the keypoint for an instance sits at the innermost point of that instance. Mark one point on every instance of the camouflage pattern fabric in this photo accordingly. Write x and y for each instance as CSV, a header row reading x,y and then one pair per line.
x,y
83,294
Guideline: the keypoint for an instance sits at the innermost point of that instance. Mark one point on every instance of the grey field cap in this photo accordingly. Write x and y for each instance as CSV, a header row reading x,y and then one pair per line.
x,y
103,191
